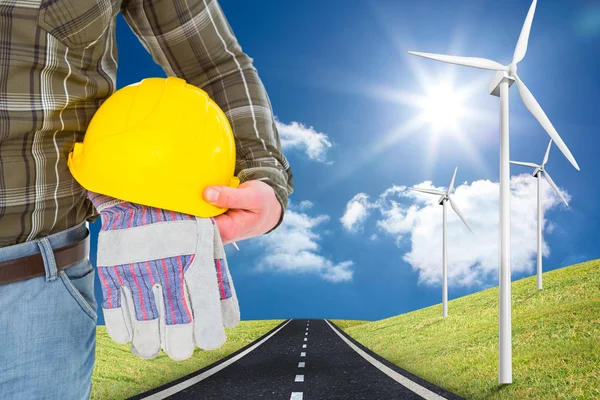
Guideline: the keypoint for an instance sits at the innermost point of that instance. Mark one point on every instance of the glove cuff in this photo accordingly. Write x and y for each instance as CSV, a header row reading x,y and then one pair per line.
x,y
101,201
120,214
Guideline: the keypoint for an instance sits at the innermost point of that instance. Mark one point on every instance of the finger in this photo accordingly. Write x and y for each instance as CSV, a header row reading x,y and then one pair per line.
x,y
237,225
229,304
169,334
178,340
141,307
116,325
227,228
201,280
146,335
128,313
246,197
176,315
146,339
116,318
230,307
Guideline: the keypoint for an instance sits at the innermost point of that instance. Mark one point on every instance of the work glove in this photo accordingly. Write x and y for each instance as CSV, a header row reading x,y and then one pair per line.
x,y
165,279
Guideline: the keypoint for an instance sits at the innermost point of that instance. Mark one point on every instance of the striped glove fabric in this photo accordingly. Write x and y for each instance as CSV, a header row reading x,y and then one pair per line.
x,y
165,279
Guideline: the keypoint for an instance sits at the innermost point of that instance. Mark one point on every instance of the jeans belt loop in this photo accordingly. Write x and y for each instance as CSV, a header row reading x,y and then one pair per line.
x,y
48,257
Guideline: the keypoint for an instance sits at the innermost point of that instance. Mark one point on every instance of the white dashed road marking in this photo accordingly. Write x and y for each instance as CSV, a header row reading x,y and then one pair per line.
x,y
300,378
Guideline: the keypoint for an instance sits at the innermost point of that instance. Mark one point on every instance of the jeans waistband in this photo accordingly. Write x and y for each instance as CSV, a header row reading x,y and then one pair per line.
x,y
56,240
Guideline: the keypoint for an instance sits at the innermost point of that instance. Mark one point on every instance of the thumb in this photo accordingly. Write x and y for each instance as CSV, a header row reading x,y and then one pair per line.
x,y
226,197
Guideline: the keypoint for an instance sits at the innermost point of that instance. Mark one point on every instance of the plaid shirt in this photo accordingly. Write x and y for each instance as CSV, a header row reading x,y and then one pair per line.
x,y
58,63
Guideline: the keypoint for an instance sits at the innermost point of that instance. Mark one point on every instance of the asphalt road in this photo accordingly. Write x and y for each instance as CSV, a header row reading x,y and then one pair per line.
x,y
301,360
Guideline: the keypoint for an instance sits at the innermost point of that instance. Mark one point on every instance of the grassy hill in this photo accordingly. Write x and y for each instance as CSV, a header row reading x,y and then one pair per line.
x,y
118,374
556,339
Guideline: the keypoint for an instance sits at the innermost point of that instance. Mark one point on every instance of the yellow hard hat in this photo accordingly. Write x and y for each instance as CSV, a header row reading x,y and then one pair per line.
x,y
159,143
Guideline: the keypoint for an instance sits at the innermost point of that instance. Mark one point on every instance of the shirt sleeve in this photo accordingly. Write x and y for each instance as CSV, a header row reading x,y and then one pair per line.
x,y
193,40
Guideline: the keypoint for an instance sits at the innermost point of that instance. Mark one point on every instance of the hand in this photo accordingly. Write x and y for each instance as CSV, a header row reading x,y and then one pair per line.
x,y
253,209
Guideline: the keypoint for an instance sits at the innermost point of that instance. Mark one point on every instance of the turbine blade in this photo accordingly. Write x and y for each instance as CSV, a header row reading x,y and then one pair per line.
x,y
474,62
428,191
547,153
525,164
521,47
457,211
535,109
551,182
451,186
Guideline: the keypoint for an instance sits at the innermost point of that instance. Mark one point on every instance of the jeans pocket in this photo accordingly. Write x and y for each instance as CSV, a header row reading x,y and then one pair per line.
x,y
79,282
76,23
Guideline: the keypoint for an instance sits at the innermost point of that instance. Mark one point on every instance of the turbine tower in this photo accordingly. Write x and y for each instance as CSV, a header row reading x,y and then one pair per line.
x,y
538,172
505,76
444,198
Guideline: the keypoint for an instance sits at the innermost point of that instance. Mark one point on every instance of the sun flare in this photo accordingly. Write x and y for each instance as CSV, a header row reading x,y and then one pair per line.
x,y
442,108
446,111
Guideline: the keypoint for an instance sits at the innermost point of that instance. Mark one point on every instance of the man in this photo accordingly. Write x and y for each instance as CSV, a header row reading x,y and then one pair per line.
x,y
58,64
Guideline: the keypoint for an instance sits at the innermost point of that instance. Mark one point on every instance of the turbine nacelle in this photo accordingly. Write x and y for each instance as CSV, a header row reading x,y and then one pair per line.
x,y
540,169
510,72
494,85
445,196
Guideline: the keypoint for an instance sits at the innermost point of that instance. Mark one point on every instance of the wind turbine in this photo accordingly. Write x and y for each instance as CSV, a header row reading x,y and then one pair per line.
x,y
505,76
538,172
445,198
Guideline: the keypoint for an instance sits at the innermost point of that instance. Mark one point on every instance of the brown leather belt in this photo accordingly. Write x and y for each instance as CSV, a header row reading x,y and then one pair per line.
x,y
32,266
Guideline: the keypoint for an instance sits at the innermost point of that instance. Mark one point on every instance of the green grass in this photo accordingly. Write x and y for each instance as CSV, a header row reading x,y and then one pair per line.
x,y
118,374
556,339
343,324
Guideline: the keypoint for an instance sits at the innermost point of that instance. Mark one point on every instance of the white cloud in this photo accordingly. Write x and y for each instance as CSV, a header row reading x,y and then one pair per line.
x,y
293,247
305,204
298,135
357,211
416,219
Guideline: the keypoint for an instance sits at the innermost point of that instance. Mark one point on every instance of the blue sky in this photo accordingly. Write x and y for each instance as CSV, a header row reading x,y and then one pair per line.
x,y
361,119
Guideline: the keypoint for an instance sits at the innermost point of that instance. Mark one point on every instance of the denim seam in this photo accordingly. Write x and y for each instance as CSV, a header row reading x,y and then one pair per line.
x,y
74,292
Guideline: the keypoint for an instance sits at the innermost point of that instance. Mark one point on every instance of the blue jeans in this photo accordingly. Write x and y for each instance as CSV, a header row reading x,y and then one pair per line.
x,y
48,326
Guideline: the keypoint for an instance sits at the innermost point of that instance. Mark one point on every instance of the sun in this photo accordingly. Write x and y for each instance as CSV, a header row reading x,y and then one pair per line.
x,y
445,113
442,108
